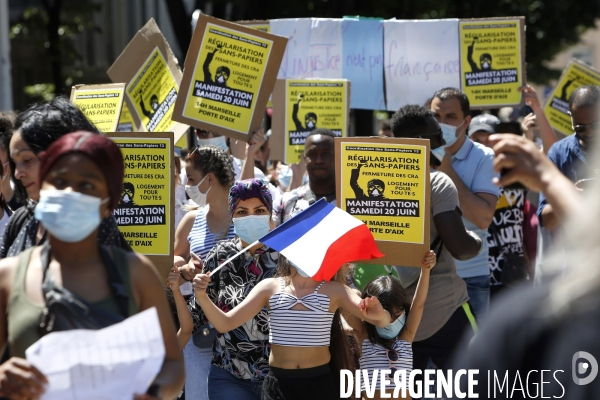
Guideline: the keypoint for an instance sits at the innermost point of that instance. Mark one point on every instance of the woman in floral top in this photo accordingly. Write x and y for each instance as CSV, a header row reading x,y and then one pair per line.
x,y
241,356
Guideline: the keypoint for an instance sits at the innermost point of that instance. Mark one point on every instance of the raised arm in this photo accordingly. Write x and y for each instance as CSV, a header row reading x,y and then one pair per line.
x,y
186,325
147,286
245,311
369,309
418,304
546,132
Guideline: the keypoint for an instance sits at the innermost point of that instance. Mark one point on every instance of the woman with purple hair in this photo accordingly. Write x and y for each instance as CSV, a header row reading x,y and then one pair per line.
x,y
241,356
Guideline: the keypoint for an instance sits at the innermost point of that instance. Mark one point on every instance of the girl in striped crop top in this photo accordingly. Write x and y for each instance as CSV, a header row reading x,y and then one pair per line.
x,y
303,318
390,348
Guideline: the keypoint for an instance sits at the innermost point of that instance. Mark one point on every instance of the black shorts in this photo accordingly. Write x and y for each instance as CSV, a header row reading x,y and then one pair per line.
x,y
316,383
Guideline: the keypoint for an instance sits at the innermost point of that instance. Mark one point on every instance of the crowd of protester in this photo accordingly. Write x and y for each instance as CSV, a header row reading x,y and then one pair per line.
x,y
260,327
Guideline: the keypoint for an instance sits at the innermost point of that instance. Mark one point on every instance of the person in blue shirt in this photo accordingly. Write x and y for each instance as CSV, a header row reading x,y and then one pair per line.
x,y
470,166
570,153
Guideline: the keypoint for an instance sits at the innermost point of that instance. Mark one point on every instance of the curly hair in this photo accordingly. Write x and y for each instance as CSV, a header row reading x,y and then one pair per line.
x,y
409,120
211,159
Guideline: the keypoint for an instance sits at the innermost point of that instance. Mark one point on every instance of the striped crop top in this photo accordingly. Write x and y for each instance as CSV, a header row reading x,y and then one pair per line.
x,y
375,356
301,328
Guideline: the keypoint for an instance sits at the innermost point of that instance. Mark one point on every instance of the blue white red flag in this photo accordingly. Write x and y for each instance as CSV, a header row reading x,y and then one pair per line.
x,y
321,239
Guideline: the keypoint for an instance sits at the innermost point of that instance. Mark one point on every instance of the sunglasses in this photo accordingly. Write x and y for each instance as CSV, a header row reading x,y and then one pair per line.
x,y
392,356
581,128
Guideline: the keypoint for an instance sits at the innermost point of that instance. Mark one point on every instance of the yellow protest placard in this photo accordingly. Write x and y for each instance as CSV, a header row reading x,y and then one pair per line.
x,y
126,123
312,104
153,91
101,104
556,109
492,61
385,184
145,211
152,74
229,73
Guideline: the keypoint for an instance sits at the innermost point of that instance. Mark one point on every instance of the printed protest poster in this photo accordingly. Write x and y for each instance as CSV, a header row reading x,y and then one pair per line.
x,y
126,123
101,104
230,72
492,53
144,214
302,105
384,182
152,74
556,109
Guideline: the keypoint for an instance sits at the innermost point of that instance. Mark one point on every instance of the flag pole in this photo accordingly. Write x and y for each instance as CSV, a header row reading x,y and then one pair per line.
x,y
234,256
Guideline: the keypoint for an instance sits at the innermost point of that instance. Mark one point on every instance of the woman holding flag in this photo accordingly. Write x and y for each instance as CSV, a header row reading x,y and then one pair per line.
x,y
241,356
302,302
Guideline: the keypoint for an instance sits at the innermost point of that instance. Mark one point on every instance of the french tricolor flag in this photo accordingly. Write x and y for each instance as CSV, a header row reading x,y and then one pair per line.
x,y
321,239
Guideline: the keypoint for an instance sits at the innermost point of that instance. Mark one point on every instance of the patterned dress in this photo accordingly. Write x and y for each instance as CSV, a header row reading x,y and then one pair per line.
x,y
244,351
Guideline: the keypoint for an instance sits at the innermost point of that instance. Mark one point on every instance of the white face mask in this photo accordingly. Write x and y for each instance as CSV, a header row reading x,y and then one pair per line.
x,y
219,141
439,153
449,132
196,195
220,79
68,216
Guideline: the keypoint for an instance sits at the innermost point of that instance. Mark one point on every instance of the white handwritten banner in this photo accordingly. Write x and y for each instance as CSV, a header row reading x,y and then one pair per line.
x,y
326,48
296,61
420,57
363,62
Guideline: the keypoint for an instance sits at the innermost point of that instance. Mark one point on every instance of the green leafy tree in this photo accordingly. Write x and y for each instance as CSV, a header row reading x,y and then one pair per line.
x,y
49,31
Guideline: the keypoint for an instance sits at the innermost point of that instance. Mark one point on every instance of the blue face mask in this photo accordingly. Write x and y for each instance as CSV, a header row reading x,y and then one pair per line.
x,y
449,133
392,330
439,153
284,176
252,227
68,216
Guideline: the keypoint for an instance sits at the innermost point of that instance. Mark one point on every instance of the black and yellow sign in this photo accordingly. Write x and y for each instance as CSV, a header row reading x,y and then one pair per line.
x,y
101,104
145,211
575,75
385,184
492,60
126,123
312,104
153,91
152,74
229,73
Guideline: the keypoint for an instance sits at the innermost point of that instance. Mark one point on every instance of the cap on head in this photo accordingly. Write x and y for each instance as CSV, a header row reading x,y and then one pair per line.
x,y
483,122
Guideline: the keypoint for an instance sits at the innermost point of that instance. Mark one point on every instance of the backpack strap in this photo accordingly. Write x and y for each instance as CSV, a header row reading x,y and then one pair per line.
x,y
439,243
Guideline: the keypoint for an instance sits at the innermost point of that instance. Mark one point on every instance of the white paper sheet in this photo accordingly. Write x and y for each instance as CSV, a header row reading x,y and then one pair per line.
x,y
420,57
110,363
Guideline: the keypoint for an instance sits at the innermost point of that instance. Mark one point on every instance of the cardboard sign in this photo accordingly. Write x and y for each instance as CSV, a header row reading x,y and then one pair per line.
x,y
492,61
556,109
126,123
101,104
152,74
384,182
301,105
144,214
260,25
229,73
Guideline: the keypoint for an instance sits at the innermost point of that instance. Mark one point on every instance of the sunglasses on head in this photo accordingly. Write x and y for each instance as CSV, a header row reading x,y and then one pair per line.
x,y
581,128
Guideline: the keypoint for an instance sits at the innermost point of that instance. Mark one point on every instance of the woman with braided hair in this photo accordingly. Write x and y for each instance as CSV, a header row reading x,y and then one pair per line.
x,y
210,174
